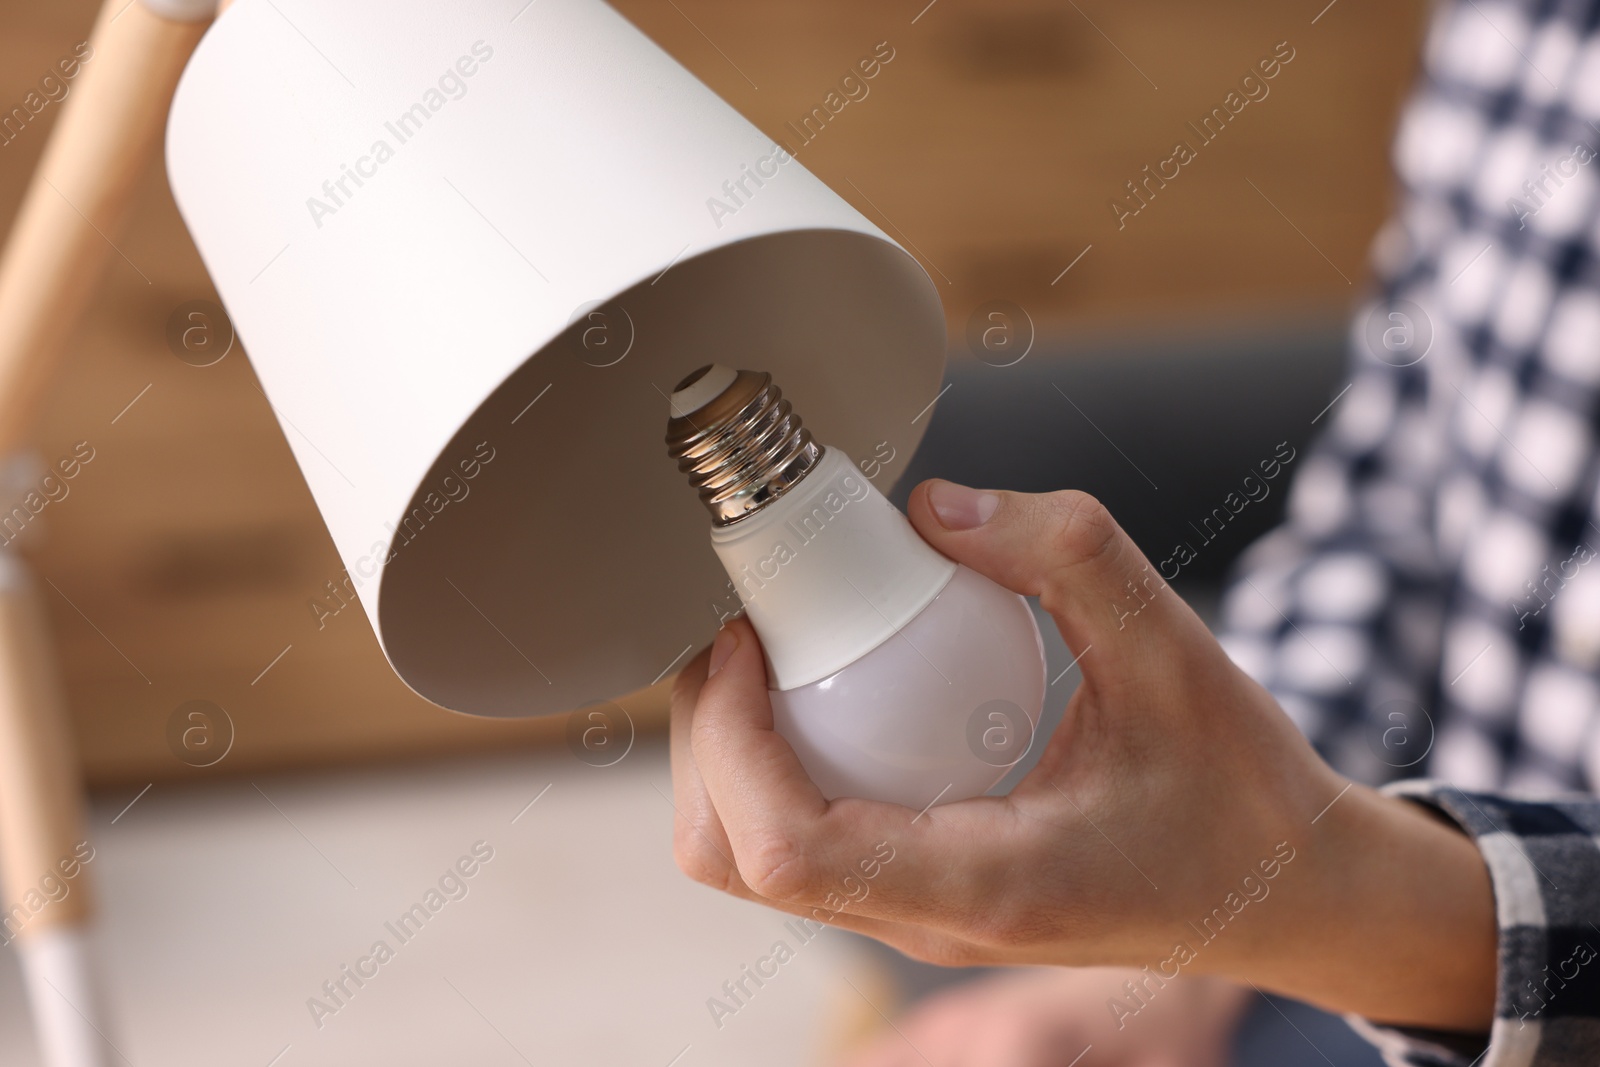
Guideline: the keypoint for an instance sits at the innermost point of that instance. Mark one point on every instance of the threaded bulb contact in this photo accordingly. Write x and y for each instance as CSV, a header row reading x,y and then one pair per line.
x,y
737,440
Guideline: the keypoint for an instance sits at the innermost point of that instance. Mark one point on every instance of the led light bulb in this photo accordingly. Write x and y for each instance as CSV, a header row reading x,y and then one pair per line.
x,y
895,673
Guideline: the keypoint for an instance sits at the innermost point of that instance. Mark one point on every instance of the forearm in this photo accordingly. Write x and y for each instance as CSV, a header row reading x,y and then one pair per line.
x,y
1387,913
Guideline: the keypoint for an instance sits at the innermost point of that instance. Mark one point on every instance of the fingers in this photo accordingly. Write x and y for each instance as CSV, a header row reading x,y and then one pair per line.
x,y
751,774
699,842
703,851
1064,548
768,804
791,846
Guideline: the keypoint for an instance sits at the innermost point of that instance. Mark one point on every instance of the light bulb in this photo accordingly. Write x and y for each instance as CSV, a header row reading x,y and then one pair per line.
x,y
895,673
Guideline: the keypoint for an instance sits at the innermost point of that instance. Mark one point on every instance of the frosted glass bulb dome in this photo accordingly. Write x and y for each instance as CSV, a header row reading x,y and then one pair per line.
x,y
895,673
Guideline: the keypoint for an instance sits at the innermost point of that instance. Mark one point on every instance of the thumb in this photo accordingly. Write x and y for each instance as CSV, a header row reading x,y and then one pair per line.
x,y
1064,548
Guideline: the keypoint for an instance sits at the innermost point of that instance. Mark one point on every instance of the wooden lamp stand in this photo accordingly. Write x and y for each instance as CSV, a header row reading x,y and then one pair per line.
x,y
107,134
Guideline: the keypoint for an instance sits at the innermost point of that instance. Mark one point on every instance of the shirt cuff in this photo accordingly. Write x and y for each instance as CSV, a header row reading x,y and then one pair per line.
x,y
1544,864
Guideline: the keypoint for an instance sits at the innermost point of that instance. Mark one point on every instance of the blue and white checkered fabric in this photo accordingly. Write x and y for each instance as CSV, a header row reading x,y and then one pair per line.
x,y
1432,605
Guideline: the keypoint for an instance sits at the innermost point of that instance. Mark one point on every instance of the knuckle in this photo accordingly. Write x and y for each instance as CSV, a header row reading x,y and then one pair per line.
x,y
1083,528
775,867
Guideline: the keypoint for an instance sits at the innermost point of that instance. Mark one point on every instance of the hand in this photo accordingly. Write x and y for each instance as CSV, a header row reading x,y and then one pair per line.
x,y
1176,822
1047,1017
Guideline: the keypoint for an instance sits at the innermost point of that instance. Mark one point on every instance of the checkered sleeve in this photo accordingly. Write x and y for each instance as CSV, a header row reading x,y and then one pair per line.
x,y
1544,864
1431,604
1339,611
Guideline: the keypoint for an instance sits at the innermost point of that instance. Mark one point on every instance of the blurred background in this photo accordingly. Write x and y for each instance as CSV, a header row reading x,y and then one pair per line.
x,y
188,561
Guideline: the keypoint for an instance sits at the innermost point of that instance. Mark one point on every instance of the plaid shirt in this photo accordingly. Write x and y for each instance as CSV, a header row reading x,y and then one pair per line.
x,y
1432,604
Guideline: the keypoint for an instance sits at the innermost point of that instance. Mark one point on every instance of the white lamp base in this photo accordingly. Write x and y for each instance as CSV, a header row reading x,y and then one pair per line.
x,y
58,967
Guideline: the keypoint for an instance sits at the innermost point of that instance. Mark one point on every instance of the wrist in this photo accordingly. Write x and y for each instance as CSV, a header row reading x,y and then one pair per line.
x,y
1391,916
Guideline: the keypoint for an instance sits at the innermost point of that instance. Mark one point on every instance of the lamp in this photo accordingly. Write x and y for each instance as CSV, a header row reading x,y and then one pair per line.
x,y
470,249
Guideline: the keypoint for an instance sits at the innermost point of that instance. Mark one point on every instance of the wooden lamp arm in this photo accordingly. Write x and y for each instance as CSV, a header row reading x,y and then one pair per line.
x,y
107,133
102,144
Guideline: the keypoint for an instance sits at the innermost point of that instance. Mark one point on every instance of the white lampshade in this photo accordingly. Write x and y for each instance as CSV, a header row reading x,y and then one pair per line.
x,y
515,166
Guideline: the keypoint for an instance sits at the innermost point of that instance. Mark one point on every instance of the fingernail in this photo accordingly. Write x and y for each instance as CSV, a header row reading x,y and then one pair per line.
x,y
721,649
961,508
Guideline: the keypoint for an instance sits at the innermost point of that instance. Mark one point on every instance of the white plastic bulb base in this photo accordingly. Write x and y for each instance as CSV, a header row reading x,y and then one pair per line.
x,y
937,713
896,674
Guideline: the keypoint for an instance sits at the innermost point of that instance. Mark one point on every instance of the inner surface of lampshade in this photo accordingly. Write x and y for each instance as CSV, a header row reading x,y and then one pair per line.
x,y
554,556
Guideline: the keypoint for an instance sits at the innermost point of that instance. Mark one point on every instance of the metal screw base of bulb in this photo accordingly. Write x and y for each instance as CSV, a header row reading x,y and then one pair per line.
x,y
742,449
